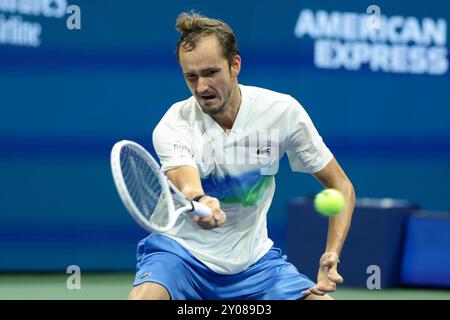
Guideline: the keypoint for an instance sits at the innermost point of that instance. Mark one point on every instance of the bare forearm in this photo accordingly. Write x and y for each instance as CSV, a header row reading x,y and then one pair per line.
x,y
332,176
187,180
339,225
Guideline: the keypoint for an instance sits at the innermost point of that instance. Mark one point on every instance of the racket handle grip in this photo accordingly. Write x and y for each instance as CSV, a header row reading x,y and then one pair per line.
x,y
200,209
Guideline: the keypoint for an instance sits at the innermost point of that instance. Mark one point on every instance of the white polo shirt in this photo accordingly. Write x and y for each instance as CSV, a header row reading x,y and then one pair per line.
x,y
237,168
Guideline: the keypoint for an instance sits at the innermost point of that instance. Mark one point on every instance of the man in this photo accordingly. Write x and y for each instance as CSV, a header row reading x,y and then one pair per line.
x,y
221,147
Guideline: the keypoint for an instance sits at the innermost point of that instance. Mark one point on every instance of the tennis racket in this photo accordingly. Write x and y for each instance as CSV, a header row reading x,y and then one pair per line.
x,y
149,196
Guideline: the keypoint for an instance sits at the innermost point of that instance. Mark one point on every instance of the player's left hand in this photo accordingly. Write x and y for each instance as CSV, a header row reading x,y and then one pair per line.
x,y
328,276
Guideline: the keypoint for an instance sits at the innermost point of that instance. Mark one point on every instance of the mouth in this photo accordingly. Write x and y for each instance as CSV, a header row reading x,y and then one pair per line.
x,y
207,97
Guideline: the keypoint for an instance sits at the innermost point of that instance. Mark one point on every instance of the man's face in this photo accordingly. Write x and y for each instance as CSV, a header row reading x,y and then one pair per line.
x,y
208,74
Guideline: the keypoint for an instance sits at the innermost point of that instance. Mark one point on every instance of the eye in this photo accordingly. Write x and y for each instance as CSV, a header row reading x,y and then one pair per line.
x,y
210,73
191,77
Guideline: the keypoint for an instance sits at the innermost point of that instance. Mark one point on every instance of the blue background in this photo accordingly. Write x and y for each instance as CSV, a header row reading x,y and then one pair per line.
x,y
64,104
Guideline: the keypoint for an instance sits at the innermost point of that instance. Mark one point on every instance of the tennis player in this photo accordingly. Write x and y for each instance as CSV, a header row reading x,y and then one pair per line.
x,y
221,147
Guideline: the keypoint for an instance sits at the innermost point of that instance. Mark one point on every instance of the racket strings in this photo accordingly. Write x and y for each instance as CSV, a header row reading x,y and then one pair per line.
x,y
144,187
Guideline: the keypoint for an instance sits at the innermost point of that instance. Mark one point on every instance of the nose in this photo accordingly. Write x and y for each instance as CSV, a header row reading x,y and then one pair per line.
x,y
202,85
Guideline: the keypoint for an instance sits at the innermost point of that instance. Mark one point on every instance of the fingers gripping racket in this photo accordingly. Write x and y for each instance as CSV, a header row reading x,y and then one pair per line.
x,y
150,197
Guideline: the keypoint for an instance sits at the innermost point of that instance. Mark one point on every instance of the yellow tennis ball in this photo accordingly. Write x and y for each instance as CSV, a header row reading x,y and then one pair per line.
x,y
329,202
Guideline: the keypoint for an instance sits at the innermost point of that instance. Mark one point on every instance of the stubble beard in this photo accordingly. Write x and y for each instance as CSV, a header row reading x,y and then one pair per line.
x,y
222,108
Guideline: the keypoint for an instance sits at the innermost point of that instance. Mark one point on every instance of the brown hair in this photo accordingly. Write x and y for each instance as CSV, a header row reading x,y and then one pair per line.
x,y
194,26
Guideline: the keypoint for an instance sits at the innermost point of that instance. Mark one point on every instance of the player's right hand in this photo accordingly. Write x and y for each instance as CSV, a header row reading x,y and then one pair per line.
x,y
213,220
328,276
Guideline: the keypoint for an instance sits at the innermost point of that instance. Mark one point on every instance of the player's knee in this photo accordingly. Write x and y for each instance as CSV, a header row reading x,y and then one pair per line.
x,y
149,291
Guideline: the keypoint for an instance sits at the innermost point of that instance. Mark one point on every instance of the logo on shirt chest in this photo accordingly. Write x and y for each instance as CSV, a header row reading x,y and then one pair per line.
x,y
263,150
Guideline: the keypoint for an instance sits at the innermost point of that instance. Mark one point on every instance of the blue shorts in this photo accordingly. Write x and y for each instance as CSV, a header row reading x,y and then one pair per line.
x,y
164,261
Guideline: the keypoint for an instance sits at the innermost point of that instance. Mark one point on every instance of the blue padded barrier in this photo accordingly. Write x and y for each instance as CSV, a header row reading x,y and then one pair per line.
x,y
375,239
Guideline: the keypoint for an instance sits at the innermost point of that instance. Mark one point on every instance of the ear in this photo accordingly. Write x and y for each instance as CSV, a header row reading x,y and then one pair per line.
x,y
235,66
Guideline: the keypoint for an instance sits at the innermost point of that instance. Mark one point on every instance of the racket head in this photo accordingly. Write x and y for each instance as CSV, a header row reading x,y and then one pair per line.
x,y
142,187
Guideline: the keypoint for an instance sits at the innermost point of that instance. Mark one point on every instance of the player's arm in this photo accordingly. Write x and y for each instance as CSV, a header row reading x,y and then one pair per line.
x,y
332,176
187,180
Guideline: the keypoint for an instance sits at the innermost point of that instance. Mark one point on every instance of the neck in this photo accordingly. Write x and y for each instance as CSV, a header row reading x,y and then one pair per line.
x,y
226,118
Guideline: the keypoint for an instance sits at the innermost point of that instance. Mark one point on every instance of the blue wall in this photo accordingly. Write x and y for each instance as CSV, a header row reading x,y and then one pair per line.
x,y
63,105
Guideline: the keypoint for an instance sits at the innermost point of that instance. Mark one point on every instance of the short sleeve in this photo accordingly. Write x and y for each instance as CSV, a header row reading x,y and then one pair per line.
x,y
173,145
305,147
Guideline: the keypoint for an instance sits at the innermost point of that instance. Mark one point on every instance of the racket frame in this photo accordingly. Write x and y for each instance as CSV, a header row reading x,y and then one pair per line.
x,y
168,188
